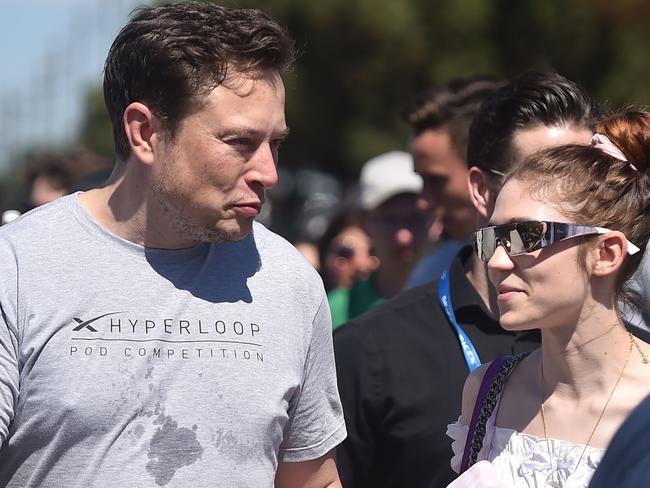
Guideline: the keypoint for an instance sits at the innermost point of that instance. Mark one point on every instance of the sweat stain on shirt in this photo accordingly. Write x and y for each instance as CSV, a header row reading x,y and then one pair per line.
x,y
170,449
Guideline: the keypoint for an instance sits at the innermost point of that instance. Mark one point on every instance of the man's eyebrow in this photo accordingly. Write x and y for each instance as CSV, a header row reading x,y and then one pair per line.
x,y
251,132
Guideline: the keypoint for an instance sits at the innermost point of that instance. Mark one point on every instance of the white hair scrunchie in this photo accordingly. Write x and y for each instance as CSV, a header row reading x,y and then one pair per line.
x,y
603,143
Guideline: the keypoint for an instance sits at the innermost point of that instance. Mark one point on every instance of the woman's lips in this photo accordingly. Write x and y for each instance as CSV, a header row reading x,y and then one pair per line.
x,y
507,293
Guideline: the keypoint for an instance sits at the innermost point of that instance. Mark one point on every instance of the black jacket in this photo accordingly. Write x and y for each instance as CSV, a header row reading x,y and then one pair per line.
x,y
401,374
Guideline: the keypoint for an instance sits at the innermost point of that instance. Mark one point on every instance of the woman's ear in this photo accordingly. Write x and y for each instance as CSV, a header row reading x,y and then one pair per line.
x,y
609,253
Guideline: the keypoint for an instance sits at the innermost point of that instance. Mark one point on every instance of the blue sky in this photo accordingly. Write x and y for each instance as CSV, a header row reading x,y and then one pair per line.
x,y
52,51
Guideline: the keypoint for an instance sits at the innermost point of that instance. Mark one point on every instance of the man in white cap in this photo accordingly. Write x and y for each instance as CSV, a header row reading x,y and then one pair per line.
x,y
388,195
389,189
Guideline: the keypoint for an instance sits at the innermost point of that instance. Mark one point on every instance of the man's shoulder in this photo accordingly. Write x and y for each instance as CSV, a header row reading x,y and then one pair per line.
x,y
409,309
275,248
432,266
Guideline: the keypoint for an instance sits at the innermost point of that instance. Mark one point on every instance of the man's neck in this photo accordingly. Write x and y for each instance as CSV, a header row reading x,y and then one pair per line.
x,y
389,281
476,272
125,207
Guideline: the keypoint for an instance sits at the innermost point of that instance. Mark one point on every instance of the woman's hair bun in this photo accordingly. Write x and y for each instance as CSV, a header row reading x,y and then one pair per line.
x,y
629,130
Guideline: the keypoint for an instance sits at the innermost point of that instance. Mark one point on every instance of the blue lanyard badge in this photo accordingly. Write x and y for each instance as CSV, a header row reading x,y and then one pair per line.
x,y
469,351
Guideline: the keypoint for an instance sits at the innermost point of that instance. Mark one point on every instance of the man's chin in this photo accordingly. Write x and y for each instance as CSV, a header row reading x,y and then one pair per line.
x,y
407,256
233,233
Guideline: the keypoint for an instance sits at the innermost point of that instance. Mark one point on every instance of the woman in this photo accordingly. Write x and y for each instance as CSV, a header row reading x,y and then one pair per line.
x,y
568,229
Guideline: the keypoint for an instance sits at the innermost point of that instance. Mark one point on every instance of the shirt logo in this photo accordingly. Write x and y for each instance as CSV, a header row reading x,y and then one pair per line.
x,y
85,324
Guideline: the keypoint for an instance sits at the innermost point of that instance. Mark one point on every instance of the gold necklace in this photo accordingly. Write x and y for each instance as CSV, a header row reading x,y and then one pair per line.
x,y
644,358
593,431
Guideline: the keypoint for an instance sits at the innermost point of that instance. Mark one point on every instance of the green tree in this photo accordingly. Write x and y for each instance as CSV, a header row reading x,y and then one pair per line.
x,y
361,61
96,132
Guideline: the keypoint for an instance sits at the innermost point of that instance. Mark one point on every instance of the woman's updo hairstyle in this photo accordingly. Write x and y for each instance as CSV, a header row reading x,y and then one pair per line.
x,y
591,186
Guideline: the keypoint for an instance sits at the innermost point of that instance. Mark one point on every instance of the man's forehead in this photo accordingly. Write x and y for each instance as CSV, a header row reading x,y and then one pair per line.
x,y
527,141
243,83
434,153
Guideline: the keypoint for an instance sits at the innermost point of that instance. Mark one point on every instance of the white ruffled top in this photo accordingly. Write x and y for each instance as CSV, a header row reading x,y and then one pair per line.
x,y
522,460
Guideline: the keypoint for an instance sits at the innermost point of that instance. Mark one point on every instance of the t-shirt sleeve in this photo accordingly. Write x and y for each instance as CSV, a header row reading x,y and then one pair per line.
x,y
9,375
316,422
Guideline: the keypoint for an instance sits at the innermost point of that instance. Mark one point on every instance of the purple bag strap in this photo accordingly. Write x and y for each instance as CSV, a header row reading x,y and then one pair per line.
x,y
491,373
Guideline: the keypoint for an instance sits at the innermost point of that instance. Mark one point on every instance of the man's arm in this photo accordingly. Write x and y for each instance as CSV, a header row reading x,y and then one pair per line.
x,y
317,473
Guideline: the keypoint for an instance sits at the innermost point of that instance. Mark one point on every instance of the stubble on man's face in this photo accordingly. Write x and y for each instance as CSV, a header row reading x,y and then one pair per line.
x,y
176,211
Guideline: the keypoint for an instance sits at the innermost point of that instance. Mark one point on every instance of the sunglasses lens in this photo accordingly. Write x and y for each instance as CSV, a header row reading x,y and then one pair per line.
x,y
518,238
484,243
525,236
345,251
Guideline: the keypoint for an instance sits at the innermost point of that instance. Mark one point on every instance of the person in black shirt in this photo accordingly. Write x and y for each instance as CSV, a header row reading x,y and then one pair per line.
x,y
400,367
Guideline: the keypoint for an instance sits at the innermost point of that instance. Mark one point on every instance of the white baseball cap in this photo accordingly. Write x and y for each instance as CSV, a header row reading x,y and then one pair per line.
x,y
386,176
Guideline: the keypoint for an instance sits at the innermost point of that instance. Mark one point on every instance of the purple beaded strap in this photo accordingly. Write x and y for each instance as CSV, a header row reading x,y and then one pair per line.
x,y
488,379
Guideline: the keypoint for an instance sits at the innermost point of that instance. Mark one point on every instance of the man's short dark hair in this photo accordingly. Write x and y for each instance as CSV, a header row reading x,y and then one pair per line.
x,y
451,106
533,99
171,56
64,168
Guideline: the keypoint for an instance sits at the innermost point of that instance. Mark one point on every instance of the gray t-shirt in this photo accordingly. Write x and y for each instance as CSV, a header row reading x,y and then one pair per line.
x,y
125,366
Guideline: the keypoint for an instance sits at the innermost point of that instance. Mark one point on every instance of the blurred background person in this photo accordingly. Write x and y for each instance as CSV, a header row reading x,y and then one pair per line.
x,y
310,251
53,174
439,119
388,193
347,258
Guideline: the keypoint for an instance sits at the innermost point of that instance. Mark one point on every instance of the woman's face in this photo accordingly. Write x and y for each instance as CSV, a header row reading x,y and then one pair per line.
x,y
545,288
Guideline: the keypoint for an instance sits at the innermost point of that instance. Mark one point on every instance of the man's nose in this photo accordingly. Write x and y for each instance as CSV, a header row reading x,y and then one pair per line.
x,y
423,203
265,169
404,237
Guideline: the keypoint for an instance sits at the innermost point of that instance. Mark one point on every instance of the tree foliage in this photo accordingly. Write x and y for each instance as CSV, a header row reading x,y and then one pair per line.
x,y
361,61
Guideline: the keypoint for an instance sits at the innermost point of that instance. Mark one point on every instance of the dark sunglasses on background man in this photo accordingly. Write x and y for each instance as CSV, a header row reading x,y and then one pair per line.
x,y
524,237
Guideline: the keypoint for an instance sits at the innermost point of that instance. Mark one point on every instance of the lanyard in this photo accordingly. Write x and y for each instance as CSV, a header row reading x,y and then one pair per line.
x,y
469,351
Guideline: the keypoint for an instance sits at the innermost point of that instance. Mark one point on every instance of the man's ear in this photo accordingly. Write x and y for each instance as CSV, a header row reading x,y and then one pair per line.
x,y
479,190
141,127
609,253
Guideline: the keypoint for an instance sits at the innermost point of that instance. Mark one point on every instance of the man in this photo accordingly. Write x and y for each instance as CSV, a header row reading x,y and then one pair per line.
x,y
440,120
400,367
53,174
152,333
388,190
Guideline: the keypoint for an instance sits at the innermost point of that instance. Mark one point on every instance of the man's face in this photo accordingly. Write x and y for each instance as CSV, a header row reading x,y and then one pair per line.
x,y
397,229
210,179
445,193
45,189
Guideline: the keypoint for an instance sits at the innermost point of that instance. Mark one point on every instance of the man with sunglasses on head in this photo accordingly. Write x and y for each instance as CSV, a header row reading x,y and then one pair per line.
x,y
402,366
